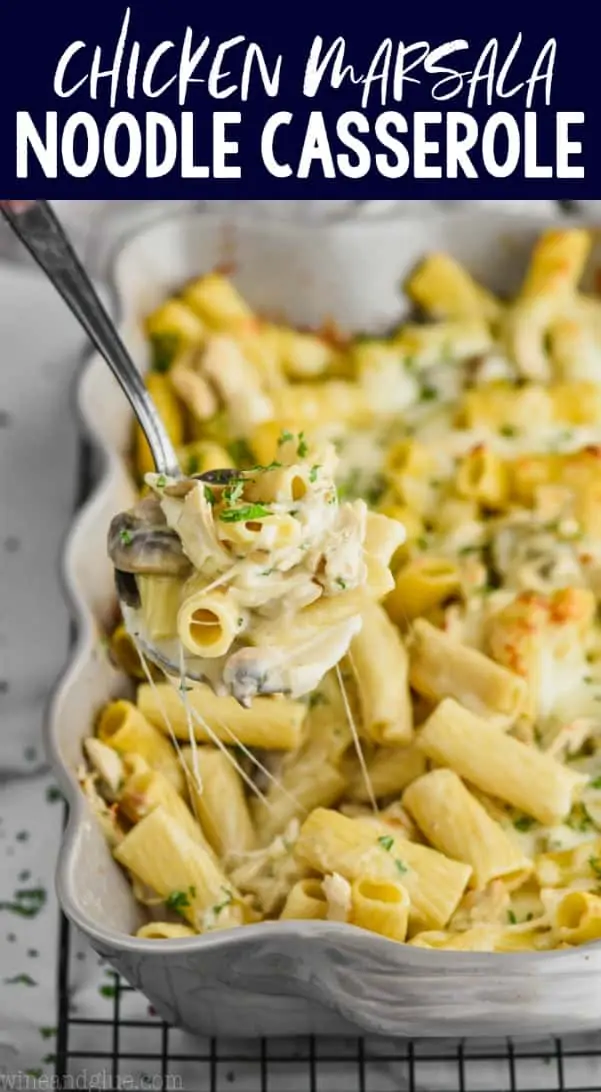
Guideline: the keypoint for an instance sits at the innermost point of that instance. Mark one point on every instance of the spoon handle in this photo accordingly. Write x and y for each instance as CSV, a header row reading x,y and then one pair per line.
x,y
42,234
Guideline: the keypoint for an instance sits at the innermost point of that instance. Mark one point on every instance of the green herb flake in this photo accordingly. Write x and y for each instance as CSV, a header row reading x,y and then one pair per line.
x,y
164,347
210,496
341,583
179,901
20,980
126,536
422,542
226,901
161,481
509,431
580,819
53,794
108,991
245,512
268,572
386,841
233,492
47,1032
285,438
465,551
524,823
511,917
302,449
400,866
595,783
428,393
595,865
26,902
314,471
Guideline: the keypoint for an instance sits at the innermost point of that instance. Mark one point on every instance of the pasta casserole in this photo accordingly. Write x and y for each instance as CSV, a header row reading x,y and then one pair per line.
x,y
408,735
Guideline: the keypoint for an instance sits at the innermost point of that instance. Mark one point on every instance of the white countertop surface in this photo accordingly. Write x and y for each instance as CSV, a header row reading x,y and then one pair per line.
x,y
41,350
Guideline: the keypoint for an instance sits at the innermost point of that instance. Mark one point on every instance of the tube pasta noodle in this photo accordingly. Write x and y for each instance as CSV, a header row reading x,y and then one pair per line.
x,y
146,789
577,917
126,729
382,906
165,930
160,603
442,287
440,667
270,722
163,856
217,794
389,772
380,662
306,900
207,623
498,764
482,477
421,585
329,842
456,824
399,583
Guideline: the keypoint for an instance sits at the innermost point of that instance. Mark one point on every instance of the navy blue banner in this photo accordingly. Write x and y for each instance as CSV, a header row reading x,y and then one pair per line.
x,y
180,100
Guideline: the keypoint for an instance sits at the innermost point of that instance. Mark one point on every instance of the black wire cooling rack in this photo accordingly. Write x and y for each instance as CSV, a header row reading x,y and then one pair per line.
x,y
130,1047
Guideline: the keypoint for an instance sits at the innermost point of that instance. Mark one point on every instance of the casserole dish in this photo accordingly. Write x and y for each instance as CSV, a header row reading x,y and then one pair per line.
x,y
279,978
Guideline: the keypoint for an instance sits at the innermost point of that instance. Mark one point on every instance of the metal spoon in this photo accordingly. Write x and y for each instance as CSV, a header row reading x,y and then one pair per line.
x,y
40,231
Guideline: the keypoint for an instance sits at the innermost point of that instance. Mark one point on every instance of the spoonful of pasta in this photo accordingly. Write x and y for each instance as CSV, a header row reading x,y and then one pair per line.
x,y
251,581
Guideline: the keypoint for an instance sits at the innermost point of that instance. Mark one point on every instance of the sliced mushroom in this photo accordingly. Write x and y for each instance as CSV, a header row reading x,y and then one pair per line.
x,y
140,541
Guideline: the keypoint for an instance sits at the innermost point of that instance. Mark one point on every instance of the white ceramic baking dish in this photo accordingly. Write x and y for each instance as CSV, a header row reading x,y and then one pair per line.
x,y
293,977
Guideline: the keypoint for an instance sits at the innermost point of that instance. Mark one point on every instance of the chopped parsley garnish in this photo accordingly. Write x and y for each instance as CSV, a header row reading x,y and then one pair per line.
x,y
179,900
47,1032
108,991
268,572
400,866
524,823
314,471
285,438
595,783
511,917
245,512
465,551
161,481
386,841
53,794
422,542
164,348
227,901
580,819
21,980
341,583
126,536
26,902
302,448
509,431
428,393
210,496
595,863
233,492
